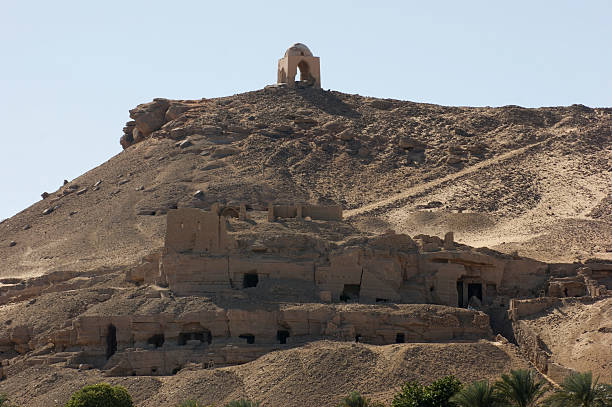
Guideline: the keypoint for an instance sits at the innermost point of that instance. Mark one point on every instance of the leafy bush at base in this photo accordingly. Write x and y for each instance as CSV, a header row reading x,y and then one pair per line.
x,y
242,403
436,394
4,401
192,403
101,395
354,399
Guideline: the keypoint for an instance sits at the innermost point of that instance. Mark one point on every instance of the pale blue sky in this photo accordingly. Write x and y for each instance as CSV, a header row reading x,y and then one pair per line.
x,y
71,70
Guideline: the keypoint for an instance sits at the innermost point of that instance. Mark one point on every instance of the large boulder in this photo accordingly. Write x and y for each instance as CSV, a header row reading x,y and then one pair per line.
x,y
128,138
408,143
177,108
150,116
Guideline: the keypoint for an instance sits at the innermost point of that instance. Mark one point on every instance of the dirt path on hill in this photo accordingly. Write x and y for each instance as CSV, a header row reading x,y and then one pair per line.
x,y
398,199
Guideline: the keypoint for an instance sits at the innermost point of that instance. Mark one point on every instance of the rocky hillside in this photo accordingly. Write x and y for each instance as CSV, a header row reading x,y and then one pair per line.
x,y
532,180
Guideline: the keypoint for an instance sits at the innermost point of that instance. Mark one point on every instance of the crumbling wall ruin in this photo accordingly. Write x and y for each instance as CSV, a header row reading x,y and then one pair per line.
x,y
163,343
301,211
382,278
194,230
589,281
530,343
200,258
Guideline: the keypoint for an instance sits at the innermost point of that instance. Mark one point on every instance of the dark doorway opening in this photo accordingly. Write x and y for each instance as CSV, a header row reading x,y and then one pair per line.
x,y
475,290
304,72
202,336
111,341
350,293
382,300
157,340
460,293
282,336
250,280
400,338
250,339
357,337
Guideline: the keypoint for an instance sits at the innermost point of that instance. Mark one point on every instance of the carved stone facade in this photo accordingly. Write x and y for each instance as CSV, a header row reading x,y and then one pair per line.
x,y
202,258
231,285
163,343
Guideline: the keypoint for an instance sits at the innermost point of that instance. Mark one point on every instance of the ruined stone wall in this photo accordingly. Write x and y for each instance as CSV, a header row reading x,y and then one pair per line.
x,y
191,229
531,346
201,258
236,335
192,274
282,211
523,308
315,212
536,351
330,212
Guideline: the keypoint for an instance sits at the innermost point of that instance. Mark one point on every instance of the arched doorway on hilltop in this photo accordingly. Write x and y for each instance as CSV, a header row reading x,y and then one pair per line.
x,y
304,71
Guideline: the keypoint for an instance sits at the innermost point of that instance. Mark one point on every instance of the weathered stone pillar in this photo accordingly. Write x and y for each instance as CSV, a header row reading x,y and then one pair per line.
x,y
299,208
449,241
271,217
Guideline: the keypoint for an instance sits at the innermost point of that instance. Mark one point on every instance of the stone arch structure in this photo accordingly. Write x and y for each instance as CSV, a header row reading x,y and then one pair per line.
x,y
299,57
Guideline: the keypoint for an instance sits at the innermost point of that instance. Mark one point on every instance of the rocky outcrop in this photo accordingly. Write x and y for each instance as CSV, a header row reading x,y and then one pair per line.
x,y
150,117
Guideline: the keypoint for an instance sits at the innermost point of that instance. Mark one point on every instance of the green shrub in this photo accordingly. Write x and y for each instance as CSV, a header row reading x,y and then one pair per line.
x,y
440,391
192,403
412,394
101,395
437,394
4,401
355,399
242,403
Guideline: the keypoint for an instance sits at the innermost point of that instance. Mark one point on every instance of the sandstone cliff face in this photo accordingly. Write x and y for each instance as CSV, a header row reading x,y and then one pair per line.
x,y
233,336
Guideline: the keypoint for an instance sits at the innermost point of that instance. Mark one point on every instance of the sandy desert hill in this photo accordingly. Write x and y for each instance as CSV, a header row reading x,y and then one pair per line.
x,y
524,182
511,178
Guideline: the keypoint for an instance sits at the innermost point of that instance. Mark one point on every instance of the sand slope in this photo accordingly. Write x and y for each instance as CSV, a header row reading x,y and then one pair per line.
x,y
318,374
